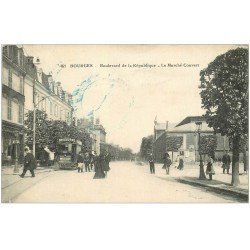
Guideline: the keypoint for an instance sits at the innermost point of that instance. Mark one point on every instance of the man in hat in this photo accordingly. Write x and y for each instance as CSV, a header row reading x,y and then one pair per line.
x,y
29,163
226,160
151,163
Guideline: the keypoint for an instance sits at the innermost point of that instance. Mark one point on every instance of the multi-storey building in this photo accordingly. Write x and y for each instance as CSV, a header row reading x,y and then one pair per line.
x,y
46,94
25,87
13,74
100,136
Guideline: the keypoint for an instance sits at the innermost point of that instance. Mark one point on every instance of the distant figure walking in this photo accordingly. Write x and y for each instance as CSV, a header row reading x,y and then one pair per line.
x,y
167,163
29,163
87,161
80,162
166,155
181,164
210,170
92,159
226,161
99,173
151,163
107,159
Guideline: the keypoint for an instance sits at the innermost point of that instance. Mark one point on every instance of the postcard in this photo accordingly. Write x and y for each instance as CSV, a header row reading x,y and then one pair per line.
x,y
124,123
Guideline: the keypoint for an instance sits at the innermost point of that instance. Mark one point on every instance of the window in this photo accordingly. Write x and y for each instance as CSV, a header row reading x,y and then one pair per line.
x,y
21,85
10,78
51,107
6,50
15,110
4,107
5,76
9,109
15,82
20,114
20,58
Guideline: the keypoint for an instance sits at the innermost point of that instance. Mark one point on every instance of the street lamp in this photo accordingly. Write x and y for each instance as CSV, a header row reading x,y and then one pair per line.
x,y
16,142
202,175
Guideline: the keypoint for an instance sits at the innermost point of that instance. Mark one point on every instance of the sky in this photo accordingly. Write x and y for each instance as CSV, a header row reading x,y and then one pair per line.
x,y
127,99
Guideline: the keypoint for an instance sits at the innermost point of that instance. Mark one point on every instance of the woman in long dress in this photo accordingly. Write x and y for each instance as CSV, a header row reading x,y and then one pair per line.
x,y
210,169
99,163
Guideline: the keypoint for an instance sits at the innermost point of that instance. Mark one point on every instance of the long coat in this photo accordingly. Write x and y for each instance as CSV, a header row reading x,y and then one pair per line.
x,y
107,159
99,163
29,161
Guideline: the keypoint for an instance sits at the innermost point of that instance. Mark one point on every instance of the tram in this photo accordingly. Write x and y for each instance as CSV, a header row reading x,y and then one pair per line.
x,y
66,153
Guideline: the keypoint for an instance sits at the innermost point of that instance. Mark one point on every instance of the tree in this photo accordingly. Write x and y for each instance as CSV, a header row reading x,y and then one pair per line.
x,y
173,143
224,94
60,129
208,144
146,146
42,136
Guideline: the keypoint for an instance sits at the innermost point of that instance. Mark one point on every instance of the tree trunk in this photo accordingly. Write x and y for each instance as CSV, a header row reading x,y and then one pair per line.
x,y
202,172
245,158
235,161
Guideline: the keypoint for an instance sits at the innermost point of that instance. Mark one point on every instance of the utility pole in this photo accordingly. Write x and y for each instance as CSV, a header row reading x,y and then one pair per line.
x,y
16,142
202,175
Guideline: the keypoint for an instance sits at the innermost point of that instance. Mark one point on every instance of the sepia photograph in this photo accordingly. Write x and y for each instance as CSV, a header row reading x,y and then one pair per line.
x,y
124,123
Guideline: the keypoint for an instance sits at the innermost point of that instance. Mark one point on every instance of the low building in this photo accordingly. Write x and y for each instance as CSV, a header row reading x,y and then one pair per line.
x,y
187,129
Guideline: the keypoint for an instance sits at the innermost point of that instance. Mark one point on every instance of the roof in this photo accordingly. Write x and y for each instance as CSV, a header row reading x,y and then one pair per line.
x,y
162,126
191,127
190,119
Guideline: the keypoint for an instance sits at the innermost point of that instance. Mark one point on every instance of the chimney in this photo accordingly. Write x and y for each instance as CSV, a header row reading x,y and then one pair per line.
x,y
97,121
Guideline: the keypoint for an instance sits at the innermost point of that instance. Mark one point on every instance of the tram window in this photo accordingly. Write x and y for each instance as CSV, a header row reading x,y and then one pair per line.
x,y
63,148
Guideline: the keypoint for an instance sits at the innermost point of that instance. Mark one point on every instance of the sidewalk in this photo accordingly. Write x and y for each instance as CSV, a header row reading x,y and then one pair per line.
x,y
9,177
221,183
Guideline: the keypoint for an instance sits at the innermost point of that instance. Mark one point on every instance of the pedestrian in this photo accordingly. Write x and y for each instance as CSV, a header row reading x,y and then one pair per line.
x,y
99,173
181,163
80,162
210,170
166,155
86,160
226,161
107,159
92,159
151,164
167,163
29,163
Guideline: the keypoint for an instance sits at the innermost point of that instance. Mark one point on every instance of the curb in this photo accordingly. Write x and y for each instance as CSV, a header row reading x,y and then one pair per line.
x,y
240,194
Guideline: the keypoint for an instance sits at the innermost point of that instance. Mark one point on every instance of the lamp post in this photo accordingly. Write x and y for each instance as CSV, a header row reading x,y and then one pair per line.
x,y
202,175
16,142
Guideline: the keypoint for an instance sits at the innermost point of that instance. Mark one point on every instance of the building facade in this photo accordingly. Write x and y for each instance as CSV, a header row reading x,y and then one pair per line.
x,y
13,99
46,94
187,129
100,137
25,87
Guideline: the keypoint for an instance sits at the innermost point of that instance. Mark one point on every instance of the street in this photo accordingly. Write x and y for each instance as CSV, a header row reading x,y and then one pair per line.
x,y
126,182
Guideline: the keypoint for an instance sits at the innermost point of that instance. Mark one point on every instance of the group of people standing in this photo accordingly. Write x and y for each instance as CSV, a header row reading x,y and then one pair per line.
x,y
99,164
226,161
166,163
